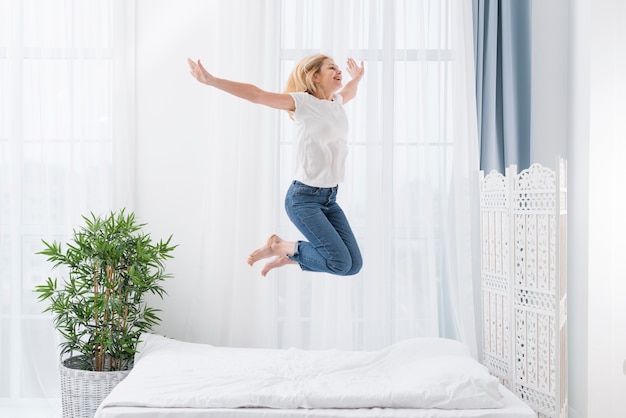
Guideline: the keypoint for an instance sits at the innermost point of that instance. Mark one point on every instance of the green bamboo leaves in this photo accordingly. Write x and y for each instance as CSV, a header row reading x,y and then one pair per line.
x,y
100,308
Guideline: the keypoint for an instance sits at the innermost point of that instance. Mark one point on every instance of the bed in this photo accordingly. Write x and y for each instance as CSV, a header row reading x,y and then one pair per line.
x,y
415,378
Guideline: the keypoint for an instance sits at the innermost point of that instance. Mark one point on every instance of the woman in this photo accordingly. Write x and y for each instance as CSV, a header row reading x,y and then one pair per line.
x,y
314,99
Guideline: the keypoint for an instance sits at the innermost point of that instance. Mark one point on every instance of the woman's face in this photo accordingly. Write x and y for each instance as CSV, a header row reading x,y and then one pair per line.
x,y
329,76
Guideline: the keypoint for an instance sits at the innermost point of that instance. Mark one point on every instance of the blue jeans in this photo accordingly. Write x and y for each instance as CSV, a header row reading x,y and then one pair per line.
x,y
331,246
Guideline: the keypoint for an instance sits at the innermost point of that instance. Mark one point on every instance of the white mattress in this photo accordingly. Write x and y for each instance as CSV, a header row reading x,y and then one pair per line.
x,y
411,379
513,407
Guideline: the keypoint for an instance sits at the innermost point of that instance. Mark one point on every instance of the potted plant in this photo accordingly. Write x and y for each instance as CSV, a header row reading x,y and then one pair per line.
x,y
100,308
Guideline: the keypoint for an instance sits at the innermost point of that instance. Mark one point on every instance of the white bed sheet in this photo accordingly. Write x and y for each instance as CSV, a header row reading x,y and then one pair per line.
x,y
413,378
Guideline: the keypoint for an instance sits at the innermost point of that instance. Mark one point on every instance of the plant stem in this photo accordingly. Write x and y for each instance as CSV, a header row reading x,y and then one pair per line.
x,y
95,313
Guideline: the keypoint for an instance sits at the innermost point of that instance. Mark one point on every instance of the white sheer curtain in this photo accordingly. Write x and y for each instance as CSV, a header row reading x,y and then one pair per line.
x,y
65,146
410,164
408,191
213,169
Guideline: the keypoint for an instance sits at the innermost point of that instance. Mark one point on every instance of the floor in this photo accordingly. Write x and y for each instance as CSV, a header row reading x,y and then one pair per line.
x,y
31,408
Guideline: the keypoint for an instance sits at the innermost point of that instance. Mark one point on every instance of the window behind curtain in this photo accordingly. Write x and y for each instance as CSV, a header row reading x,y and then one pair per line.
x,y
400,155
56,163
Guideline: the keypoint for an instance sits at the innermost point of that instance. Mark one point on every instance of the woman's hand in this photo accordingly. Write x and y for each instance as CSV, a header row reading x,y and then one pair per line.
x,y
200,73
355,71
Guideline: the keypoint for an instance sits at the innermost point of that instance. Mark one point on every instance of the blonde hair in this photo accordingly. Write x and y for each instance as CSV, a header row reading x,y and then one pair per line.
x,y
301,77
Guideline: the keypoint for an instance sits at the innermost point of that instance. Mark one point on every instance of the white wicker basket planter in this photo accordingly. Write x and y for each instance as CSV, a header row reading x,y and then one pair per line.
x,y
82,391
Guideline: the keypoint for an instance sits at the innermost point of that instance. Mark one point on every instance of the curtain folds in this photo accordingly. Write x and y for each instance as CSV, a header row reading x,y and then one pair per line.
x,y
502,36
408,189
65,150
213,169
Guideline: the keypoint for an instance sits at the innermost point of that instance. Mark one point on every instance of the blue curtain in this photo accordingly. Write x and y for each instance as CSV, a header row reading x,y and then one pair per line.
x,y
502,48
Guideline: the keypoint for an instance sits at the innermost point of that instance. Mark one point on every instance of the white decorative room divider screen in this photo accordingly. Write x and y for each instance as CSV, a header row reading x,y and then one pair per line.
x,y
524,283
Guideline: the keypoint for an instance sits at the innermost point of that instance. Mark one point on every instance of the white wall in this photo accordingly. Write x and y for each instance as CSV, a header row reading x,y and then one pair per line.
x,y
549,81
578,192
607,206
578,111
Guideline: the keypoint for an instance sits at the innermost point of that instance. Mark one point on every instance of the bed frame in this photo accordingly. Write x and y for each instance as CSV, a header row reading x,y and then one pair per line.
x,y
524,283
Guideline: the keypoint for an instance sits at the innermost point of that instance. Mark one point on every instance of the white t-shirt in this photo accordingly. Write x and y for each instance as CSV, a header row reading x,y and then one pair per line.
x,y
322,130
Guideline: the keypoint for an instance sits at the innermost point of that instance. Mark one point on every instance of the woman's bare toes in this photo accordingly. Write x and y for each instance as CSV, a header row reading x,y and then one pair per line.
x,y
265,251
277,262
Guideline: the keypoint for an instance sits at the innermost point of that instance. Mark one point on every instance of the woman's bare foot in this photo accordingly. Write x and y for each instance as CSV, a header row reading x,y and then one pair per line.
x,y
275,246
279,261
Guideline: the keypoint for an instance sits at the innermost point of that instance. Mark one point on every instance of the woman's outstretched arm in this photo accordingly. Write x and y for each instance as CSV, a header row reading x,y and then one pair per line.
x,y
245,91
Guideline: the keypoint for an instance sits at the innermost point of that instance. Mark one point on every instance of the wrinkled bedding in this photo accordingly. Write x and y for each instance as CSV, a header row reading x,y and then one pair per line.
x,y
416,373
